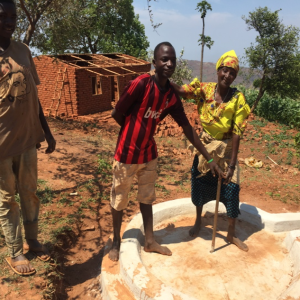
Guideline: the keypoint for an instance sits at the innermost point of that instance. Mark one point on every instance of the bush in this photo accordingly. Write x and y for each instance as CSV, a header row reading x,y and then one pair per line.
x,y
282,110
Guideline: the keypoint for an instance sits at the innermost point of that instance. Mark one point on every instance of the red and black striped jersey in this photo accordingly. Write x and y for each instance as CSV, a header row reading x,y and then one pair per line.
x,y
144,105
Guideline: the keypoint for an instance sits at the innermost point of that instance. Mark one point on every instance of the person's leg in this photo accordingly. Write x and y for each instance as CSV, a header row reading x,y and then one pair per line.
x,y
117,222
147,176
26,174
231,201
194,231
231,237
196,196
123,175
150,244
10,216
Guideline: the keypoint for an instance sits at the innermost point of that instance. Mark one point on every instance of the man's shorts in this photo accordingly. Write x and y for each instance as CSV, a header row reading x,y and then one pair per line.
x,y
123,175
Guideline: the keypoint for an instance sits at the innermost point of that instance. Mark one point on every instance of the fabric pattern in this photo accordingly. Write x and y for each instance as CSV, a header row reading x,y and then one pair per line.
x,y
219,120
230,60
220,152
204,189
20,127
144,105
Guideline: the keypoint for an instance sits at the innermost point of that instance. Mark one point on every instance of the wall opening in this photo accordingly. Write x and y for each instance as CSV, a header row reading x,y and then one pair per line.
x,y
96,85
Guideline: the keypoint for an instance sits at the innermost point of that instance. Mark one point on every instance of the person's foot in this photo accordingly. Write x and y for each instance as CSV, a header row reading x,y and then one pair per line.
x,y
194,231
114,252
236,241
38,249
24,268
155,247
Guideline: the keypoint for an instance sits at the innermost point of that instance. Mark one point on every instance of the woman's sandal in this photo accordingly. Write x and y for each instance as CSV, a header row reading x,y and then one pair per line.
x,y
19,263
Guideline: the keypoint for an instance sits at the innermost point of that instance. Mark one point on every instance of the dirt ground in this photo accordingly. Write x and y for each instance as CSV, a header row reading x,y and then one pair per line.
x,y
74,186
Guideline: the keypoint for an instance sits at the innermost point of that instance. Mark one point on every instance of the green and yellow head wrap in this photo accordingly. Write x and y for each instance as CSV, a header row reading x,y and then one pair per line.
x,y
230,60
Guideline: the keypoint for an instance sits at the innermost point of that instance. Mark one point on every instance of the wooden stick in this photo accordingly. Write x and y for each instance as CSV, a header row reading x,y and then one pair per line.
x,y
216,215
272,160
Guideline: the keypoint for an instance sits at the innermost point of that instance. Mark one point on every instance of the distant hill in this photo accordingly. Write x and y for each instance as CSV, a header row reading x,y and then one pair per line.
x,y
209,73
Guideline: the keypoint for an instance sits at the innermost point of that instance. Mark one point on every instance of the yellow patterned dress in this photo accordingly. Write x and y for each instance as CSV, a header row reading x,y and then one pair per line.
x,y
220,121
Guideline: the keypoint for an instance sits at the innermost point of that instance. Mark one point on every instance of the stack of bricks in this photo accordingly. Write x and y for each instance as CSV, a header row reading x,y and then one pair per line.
x,y
168,127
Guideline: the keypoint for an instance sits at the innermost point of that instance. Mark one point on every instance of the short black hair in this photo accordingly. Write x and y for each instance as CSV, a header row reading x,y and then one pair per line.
x,y
158,46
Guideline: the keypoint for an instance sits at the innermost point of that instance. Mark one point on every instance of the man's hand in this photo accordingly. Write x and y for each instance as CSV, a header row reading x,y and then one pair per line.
x,y
214,168
228,176
51,143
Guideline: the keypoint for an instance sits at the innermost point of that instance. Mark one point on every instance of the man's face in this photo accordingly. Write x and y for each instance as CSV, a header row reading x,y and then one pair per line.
x,y
165,61
8,19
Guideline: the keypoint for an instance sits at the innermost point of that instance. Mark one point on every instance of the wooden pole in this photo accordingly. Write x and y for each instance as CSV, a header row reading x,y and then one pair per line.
x,y
216,215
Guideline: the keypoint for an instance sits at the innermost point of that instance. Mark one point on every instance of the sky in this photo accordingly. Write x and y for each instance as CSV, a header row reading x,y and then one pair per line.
x,y
182,24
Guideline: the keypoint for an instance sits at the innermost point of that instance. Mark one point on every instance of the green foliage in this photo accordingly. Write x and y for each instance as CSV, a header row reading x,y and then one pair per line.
x,y
275,54
283,110
203,7
297,141
44,192
182,71
88,26
104,167
205,40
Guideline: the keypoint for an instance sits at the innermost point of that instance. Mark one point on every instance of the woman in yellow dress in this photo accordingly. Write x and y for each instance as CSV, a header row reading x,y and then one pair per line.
x,y
223,112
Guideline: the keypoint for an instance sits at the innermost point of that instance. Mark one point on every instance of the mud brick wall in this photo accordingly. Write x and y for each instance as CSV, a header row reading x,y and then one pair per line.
x,y
124,80
51,77
87,102
76,98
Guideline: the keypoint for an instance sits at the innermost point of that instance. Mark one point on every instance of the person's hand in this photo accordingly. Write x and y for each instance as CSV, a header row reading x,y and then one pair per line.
x,y
215,170
51,143
228,176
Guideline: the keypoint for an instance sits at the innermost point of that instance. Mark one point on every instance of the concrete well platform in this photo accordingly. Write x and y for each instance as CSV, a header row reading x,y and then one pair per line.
x,y
269,270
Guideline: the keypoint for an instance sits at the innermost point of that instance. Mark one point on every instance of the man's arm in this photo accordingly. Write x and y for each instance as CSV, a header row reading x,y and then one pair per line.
x,y
194,139
48,135
235,148
118,116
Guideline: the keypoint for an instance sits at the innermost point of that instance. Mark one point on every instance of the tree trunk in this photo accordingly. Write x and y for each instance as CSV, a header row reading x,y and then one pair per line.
x,y
260,94
202,51
28,34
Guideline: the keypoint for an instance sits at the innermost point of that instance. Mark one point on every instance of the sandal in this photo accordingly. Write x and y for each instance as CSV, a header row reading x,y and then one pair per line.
x,y
19,263
42,250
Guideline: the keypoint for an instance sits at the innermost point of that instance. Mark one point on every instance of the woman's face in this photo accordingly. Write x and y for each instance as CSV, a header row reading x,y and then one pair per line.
x,y
226,76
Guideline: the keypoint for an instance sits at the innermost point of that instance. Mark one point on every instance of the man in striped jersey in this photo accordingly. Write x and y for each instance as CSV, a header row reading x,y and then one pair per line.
x,y
144,103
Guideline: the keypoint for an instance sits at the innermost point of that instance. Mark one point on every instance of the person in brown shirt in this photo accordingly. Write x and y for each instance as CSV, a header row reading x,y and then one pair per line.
x,y
22,127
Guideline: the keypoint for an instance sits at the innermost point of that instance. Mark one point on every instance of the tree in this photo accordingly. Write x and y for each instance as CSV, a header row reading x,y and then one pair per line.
x,y
275,55
204,40
30,13
90,26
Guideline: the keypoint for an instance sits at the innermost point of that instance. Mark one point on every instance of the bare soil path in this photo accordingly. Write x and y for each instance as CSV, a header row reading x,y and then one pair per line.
x,y
74,186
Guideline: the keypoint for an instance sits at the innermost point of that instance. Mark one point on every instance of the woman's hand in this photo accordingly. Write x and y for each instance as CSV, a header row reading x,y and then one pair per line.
x,y
215,169
228,176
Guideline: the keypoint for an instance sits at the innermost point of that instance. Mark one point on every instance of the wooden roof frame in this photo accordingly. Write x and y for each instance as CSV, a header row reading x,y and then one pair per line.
x,y
106,60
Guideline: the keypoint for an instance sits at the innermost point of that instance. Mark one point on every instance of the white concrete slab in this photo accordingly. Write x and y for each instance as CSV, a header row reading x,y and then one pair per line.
x,y
143,285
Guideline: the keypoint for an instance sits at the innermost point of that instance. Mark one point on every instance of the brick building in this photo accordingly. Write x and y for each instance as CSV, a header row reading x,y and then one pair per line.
x,y
81,84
